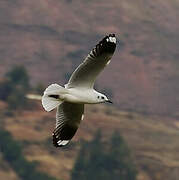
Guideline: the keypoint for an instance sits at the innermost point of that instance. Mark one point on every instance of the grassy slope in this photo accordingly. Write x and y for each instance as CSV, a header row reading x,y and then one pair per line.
x,y
153,140
56,35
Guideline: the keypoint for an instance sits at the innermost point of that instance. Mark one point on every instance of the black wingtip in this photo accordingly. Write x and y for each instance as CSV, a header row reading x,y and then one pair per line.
x,y
59,143
107,44
63,134
55,141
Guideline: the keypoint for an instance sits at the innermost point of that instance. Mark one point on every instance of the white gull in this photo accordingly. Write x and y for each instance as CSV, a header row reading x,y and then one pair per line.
x,y
70,100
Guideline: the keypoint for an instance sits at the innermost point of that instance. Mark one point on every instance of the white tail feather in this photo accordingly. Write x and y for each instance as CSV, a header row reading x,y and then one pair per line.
x,y
50,103
54,88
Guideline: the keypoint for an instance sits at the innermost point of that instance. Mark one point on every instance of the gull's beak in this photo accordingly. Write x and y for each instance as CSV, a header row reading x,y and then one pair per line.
x,y
109,101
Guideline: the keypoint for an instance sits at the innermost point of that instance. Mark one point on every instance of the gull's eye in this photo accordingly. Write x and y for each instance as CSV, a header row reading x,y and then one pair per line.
x,y
102,97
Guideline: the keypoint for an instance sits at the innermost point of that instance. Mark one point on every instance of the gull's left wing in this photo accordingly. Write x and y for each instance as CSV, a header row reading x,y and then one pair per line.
x,y
68,118
85,74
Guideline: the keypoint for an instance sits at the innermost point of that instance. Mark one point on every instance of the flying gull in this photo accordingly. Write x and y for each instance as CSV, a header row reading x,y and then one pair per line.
x,y
70,100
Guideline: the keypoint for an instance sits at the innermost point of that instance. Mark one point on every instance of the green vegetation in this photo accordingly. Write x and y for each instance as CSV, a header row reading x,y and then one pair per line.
x,y
39,89
14,88
97,160
12,153
18,75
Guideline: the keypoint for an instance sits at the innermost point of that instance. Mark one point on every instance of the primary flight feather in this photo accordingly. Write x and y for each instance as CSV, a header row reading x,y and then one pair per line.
x,y
70,100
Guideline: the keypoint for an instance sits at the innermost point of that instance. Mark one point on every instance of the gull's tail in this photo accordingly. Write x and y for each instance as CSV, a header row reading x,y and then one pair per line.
x,y
51,98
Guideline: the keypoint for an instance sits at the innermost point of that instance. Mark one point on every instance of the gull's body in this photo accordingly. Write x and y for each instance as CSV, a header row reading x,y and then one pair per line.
x,y
80,96
70,100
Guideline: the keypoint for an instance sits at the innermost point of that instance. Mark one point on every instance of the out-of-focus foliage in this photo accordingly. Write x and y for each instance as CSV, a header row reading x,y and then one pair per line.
x,y
98,160
14,88
12,153
18,76
39,89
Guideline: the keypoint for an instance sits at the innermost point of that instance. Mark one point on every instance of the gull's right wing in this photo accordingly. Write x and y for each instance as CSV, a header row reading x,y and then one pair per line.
x,y
86,73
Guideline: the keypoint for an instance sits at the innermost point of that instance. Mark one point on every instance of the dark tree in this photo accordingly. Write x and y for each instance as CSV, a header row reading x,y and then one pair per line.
x,y
18,76
120,159
99,160
14,88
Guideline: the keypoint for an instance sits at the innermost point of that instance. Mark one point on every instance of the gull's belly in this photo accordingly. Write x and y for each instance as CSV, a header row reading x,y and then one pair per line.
x,y
81,96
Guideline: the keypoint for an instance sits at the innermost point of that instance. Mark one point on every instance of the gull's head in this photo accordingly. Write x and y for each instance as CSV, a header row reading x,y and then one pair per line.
x,y
101,98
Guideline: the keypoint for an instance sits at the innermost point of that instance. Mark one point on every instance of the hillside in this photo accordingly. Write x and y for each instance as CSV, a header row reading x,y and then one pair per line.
x,y
153,140
54,36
